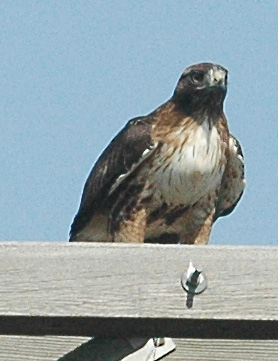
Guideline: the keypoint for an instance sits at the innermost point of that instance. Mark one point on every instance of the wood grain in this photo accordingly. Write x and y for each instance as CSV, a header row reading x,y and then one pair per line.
x,y
224,350
111,289
22,348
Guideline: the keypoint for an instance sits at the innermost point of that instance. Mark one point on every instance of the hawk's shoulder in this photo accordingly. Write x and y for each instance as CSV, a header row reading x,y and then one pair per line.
x,y
130,147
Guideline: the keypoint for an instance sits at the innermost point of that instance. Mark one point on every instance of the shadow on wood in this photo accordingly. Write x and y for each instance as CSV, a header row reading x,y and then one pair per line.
x,y
108,349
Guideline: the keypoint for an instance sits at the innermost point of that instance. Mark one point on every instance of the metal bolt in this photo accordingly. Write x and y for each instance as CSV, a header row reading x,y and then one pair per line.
x,y
193,280
158,341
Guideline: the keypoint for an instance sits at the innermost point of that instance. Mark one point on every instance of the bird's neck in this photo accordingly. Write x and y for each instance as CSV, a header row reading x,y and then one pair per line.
x,y
172,114
208,107
171,119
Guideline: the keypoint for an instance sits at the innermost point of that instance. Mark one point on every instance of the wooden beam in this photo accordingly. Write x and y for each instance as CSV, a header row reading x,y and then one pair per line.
x,y
114,289
50,348
23,348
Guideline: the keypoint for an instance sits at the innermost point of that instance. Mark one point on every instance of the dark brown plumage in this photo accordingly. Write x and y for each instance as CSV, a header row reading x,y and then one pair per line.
x,y
166,177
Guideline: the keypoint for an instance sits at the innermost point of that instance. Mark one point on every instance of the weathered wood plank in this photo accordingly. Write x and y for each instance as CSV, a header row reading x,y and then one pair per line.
x,y
224,350
90,289
23,348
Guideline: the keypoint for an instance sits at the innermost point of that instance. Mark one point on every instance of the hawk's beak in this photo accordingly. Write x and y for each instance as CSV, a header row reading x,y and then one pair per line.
x,y
218,78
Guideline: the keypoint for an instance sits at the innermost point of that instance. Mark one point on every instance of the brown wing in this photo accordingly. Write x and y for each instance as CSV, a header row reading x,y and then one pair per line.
x,y
233,181
125,152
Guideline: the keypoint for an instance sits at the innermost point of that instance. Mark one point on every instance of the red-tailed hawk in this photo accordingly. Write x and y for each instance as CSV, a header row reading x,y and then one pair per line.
x,y
166,177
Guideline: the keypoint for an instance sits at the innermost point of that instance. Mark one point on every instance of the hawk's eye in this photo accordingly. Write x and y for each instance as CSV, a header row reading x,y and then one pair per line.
x,y
197,77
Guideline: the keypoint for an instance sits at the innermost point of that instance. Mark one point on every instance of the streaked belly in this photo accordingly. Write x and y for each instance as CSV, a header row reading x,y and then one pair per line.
x,y
184,174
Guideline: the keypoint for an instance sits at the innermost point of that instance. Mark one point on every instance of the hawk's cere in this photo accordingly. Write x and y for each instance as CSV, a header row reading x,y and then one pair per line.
x,y
166,177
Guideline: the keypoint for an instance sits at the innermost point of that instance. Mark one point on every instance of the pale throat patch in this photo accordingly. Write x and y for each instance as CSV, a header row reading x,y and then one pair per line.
x,y
191,166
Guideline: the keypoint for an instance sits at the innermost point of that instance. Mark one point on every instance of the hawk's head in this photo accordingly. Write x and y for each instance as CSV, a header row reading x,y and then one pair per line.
x,y
201,86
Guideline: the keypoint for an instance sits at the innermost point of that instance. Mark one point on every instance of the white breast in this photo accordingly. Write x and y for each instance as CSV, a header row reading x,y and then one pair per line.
x,y
191,166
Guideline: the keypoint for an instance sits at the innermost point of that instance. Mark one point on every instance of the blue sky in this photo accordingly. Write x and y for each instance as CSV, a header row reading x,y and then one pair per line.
x,y
73,72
